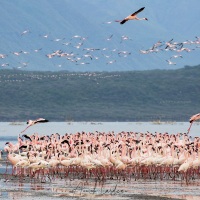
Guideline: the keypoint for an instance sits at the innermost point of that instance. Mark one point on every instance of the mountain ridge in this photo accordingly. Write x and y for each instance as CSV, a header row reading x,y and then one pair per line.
x,y
166,95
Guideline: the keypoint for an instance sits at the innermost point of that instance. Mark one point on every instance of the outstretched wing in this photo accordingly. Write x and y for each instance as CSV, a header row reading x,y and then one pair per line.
x,y
41,120
135,13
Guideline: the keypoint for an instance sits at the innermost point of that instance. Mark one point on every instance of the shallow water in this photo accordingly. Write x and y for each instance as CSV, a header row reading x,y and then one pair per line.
x,y
82,189
111,189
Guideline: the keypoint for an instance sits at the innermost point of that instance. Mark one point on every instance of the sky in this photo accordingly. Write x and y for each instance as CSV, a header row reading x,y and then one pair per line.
x,y
82,35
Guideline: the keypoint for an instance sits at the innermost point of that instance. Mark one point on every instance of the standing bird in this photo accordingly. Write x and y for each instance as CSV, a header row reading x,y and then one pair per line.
x,y
32,122
132,17
192,119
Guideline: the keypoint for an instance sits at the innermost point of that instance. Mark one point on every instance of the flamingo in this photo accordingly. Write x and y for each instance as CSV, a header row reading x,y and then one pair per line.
x,y
192,119
110,37
132,17
32,122
13,158
22,163
25,32
176,56
104,154
11,147
170,62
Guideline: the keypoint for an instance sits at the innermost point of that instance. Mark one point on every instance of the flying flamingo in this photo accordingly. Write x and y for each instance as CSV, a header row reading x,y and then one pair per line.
x,y
192,119
132,17
25,32
32,122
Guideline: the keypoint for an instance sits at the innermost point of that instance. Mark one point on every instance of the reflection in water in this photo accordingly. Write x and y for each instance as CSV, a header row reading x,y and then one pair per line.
x,y
187,197
37,187
15,195
90,189
18,189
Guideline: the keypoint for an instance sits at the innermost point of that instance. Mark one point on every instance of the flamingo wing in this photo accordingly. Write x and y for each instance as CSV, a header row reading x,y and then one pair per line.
x,y
123,21
41,120
138,11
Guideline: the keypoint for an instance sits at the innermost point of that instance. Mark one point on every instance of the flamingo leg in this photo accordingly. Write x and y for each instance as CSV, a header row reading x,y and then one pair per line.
x,y
25,129
189,128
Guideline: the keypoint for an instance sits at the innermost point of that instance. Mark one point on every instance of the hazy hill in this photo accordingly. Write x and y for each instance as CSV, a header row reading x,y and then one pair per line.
x,y
102,96
64,19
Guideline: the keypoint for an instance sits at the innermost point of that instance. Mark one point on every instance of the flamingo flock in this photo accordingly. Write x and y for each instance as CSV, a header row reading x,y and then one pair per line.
x,y
75,50
178,48
102,155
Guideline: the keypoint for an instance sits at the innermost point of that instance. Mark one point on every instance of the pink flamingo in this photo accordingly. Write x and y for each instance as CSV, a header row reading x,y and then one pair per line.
x,y
32,122
132,17
192,119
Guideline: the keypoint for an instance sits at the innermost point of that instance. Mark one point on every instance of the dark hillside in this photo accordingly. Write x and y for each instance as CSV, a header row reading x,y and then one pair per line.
x,y
107,96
